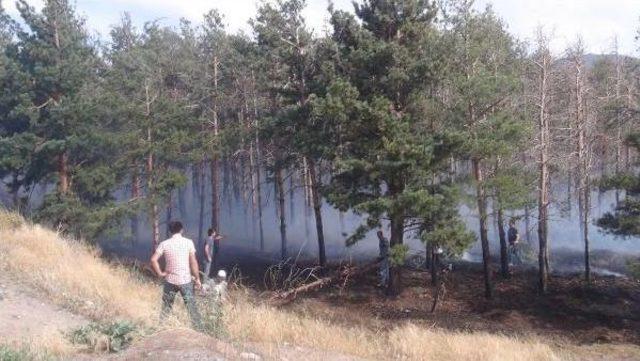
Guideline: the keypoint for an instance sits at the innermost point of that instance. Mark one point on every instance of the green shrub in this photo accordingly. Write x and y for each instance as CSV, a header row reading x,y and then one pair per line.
x,y
112,337
10,220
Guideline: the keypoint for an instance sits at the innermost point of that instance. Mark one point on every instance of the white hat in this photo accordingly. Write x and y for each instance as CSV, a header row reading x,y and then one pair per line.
x,y
222,274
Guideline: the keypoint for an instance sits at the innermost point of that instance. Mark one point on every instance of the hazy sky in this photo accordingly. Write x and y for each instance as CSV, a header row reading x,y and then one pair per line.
x,y
598,21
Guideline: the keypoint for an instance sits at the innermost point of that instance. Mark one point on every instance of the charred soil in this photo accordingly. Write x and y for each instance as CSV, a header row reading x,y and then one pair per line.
x,y
605,311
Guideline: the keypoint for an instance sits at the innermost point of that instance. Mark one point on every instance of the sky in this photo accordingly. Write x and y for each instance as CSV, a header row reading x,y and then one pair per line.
x,y
598,22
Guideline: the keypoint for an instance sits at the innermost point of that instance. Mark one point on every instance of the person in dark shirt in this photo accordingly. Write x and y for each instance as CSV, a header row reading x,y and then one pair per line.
x,y
384,256
514,238
211,249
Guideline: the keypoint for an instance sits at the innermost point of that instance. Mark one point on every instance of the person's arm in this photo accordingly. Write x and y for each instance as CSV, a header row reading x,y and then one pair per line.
x,y
156,265
219,237
195,272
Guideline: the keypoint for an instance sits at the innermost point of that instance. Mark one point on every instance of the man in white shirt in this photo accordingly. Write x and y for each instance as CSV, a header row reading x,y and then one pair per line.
x,y
181,264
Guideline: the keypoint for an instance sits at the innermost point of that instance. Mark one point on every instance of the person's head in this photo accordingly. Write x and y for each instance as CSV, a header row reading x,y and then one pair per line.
x,y
210,232
512,222
175,227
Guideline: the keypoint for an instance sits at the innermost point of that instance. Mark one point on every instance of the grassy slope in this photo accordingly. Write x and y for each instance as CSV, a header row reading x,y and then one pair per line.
x,y
71,274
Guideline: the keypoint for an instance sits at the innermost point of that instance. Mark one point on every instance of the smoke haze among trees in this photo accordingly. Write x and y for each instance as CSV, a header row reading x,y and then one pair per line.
x,y
403,116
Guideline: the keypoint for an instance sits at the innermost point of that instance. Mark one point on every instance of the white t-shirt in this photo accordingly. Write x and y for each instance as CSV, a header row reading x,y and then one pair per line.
x,y
176,251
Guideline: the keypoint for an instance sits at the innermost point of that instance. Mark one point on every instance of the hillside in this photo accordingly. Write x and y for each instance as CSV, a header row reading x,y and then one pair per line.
x,y
70,281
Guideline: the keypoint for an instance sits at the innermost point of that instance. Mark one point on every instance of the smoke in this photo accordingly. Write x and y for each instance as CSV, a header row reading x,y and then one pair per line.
x,y
239,223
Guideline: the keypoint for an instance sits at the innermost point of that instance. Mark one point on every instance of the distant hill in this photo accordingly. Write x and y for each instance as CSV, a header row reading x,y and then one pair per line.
x,y
592,59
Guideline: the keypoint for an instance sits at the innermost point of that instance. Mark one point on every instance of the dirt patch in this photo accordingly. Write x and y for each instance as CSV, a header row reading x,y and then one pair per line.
x,y
188,345
25,317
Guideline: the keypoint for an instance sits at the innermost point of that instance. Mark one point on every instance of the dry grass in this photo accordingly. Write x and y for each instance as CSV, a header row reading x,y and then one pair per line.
x,y
72,274
49,347
260,323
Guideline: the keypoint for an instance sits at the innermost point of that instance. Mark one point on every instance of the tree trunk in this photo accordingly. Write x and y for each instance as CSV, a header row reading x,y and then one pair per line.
x,y
394,286
428,256
281,213
215,196
182,202
169,214
135,194
63,173
527,223
504,258
201,190
583,159
317,210
544,65
433,265
155,220
484,238
292,198
258,159
569,198
585,225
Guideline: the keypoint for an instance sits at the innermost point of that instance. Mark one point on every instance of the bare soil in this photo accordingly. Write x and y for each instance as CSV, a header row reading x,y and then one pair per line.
x,y
25,317
185,344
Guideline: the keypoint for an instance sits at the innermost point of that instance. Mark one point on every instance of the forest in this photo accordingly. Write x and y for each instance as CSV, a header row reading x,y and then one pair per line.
x,y
397,112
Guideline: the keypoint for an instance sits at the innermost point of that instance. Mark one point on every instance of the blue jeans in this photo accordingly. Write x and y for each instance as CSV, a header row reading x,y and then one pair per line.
x,y
384,271
169,291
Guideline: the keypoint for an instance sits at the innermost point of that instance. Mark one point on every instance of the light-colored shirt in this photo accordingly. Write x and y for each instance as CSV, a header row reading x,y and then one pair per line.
x,y
176,251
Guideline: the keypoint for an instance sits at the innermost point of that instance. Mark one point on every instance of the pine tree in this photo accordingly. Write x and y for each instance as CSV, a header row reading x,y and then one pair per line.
x,y
482,80
283,34
59,117
625,220
17,143
148,91
388,148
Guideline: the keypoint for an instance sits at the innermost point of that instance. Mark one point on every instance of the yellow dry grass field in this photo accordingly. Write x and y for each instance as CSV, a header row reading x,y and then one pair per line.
x,y
72,274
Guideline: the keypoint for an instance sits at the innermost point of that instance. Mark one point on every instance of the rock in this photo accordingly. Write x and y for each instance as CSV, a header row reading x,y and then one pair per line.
x,y
250,356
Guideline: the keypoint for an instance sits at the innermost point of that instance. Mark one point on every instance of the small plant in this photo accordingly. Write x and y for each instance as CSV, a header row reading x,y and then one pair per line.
x,y
212,318
398,254
112,337
10,220
22,354
633,265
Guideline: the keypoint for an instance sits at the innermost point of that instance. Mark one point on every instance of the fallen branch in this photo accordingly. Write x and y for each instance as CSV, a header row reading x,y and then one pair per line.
x,y
348,272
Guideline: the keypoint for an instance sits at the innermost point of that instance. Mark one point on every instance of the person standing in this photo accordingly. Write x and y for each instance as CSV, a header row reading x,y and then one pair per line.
x,y
216,248
180,272
208,253
211,249
383,245
514,238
